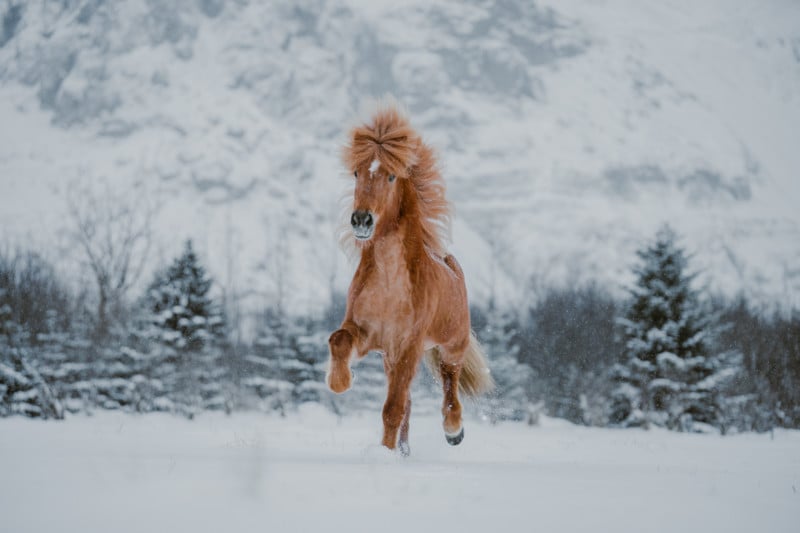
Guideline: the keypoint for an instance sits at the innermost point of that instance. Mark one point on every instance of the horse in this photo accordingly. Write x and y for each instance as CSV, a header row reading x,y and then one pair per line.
x,y
407,298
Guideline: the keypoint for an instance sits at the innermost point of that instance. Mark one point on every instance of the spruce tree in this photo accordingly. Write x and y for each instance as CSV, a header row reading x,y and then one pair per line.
x,y
25,295
23,390
188,330
286,363
670,376
264,366
181,306
509,400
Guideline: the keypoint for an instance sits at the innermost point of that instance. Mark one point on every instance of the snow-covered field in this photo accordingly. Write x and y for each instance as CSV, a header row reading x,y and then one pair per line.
x,y
315,472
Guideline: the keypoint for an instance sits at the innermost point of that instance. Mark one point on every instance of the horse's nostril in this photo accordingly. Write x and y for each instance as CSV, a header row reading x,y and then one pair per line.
x,y
361,218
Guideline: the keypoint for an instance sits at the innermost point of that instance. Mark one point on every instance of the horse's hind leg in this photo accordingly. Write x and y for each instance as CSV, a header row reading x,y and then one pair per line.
x,y
402,441
451,407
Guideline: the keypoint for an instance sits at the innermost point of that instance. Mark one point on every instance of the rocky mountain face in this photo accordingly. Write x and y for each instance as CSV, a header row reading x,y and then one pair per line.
x,y
568,132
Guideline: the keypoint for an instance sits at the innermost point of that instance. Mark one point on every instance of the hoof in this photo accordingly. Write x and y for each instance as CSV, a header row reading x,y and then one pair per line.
x,y
404,449
455,440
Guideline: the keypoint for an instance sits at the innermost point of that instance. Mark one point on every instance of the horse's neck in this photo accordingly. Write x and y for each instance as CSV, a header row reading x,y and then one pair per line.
x,y
390,247
394,250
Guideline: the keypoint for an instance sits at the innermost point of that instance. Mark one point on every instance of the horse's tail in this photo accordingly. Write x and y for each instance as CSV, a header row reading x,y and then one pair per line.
x,y
475,378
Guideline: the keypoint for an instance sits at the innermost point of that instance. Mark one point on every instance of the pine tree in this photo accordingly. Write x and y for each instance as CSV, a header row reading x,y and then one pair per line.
x,y
57,358
311,345
285,366
188,330
181,306
265,367
670,376
509,401
23,390
28,292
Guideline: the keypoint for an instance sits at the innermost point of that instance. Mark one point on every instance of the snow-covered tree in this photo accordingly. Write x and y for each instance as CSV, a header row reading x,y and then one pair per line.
x,y
510,400
670,376
181,306
264,367
312,353
23,390
285,363
187,331
28,294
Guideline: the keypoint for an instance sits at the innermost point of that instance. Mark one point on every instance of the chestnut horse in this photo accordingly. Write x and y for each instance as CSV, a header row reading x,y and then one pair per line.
x,y
407,297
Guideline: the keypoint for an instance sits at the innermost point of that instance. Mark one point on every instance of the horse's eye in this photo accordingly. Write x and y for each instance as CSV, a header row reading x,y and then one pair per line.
x,y
391,177
355,174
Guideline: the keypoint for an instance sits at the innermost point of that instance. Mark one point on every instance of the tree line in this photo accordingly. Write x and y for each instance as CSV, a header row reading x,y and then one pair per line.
x,y
668,355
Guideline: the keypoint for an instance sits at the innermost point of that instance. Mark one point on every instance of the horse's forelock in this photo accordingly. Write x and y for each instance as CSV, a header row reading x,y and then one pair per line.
x,y
391,140
388,138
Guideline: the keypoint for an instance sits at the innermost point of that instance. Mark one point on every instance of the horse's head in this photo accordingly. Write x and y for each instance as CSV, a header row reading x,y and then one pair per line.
x,y
376,201
381,156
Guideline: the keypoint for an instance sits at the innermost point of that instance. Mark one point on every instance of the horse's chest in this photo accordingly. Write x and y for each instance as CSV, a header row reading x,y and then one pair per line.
x,y
386,296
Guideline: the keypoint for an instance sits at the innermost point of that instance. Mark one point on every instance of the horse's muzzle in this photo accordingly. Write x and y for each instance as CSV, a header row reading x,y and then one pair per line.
x,y
363,224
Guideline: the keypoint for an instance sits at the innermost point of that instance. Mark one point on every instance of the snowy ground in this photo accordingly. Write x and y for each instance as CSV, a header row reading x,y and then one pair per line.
x,y
312,471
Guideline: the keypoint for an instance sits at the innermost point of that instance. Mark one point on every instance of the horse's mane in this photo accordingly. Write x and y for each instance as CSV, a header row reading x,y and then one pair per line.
x,y
390,139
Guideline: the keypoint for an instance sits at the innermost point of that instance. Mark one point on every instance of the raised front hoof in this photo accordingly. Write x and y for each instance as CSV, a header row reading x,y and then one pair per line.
x,y
455,440
339,384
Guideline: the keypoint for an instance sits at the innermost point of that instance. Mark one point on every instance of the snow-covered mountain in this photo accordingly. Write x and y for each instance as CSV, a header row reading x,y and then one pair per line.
x,y
568,131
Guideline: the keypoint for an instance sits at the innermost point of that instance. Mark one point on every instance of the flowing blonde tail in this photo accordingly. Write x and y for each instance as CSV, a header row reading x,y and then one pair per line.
x,y
475,378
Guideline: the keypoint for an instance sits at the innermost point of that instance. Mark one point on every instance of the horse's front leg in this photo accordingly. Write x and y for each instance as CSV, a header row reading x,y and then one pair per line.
x,y
397,409
344,344
402,440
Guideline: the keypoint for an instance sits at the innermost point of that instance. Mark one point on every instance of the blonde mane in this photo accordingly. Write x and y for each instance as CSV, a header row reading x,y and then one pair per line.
x,y
390,139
